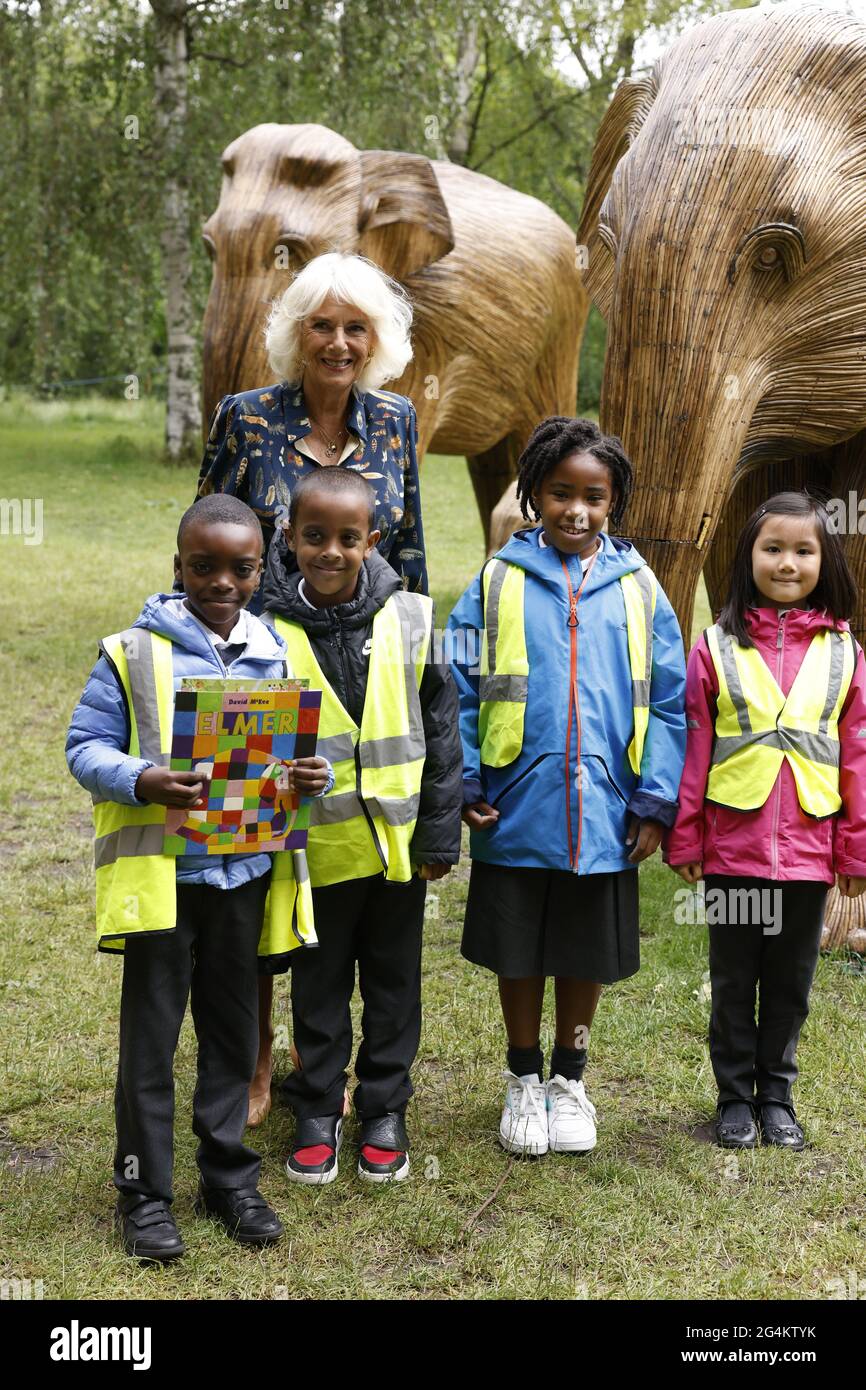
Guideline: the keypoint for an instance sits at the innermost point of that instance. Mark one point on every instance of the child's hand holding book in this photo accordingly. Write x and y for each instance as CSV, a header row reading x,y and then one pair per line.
x,y
309,776
165,787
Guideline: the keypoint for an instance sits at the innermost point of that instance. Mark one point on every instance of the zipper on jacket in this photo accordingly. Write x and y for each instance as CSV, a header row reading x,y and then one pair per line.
x,y
338,640
572,623
777,790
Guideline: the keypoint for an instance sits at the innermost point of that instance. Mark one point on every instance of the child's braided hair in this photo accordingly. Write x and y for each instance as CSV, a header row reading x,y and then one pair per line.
x,y
552,441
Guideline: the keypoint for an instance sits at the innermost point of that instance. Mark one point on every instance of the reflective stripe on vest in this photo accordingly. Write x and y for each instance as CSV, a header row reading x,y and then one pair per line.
x,y
504,674
365,823
288,920
757,727
136,883
504,669
639,589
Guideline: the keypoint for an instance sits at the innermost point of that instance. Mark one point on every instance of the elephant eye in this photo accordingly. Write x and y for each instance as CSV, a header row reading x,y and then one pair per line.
x,y
291,251
769,247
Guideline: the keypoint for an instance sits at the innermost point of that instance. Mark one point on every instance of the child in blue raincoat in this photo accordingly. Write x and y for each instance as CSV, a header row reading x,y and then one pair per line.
x,y
570,668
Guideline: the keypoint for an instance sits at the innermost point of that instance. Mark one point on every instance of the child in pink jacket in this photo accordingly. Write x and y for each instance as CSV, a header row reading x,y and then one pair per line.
x,y
772,800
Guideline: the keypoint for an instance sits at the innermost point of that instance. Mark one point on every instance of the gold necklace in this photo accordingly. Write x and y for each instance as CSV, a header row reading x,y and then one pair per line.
x,y
330,444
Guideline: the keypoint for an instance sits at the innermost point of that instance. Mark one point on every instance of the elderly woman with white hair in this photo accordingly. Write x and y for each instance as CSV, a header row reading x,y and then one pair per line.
x,y
338,332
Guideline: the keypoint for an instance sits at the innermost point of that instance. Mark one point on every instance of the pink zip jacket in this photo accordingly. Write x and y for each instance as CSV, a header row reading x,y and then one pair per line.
x,y
778,840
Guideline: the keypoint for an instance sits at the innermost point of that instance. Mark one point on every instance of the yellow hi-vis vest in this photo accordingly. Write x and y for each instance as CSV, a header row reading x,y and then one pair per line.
x,y
136,887
365,823
504,669
757,727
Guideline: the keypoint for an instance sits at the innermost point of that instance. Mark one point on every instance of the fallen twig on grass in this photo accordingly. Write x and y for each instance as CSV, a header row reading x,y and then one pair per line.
x,y
486,1203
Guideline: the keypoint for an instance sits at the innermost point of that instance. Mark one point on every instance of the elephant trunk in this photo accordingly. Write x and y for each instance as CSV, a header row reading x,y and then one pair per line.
x,y
683,416
234,357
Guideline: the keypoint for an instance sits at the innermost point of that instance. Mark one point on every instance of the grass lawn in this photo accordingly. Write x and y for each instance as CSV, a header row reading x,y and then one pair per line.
x,y
655,1211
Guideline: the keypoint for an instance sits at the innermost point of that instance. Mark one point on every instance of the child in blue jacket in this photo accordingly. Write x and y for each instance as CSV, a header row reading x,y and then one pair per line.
x,y
188,928
573,732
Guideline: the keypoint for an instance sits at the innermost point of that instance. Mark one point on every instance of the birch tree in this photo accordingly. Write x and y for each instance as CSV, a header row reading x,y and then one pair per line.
x,y
183,411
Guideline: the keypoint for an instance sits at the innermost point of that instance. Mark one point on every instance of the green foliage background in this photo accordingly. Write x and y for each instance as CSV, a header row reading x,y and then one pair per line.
x,y
515,90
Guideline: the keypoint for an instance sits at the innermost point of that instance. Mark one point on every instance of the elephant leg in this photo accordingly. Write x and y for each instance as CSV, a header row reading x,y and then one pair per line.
x,y
677,566
491,472
505,520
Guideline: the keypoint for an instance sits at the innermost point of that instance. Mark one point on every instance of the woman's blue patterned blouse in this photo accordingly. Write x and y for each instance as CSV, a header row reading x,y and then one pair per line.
x,y
249,453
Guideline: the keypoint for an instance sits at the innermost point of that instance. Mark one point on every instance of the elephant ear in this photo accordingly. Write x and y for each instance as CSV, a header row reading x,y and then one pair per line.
x,y
404,224
620,126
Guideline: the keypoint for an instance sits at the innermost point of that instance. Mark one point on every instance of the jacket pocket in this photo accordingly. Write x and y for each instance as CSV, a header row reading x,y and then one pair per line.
x,y
517,780
599,759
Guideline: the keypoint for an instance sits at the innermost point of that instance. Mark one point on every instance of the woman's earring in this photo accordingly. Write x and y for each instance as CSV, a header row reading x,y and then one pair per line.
x,y
369,359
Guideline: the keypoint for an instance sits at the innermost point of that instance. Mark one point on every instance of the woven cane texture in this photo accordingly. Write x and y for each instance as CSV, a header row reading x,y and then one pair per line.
x,y
725,223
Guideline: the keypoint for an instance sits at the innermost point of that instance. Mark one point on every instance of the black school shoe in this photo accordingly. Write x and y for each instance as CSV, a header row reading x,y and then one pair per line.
x,y
779,1126
735,1125
315,1149
384,1149
243,1212
148,1229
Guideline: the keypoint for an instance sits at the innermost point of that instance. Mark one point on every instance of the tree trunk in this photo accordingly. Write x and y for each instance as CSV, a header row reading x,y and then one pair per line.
x,y
183,409
467,61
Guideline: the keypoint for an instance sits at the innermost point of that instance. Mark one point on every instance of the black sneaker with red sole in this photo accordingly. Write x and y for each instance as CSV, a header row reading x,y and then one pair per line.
x,y
315,1149
384,1153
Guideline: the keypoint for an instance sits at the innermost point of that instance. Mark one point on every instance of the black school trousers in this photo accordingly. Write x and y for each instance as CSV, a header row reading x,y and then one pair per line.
x,y
770,957
379,926
211,959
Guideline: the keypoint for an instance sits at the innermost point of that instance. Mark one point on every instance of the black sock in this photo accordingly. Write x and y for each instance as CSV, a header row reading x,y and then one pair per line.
x,y
568,1062
523,1061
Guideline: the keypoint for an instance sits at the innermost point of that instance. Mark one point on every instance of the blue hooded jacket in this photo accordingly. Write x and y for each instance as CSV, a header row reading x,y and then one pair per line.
x,y
530,793
98,740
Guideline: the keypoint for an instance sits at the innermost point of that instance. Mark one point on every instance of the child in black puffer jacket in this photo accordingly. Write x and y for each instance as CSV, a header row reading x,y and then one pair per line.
x,y
390,823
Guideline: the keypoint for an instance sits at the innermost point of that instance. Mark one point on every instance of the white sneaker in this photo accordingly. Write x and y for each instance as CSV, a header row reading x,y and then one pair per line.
x,y
570,1117
523,1127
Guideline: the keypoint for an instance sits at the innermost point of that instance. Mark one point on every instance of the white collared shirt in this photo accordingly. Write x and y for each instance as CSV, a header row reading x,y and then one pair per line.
x,y
584,564
239,635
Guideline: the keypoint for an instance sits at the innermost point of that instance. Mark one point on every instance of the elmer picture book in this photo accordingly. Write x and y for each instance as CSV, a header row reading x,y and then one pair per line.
x,y
242,736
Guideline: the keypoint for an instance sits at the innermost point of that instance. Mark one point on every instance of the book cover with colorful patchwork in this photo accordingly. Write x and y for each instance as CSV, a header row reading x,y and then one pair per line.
x,y
242,737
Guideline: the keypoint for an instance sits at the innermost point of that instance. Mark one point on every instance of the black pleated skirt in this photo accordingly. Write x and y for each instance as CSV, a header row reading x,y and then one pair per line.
x,y
525,922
